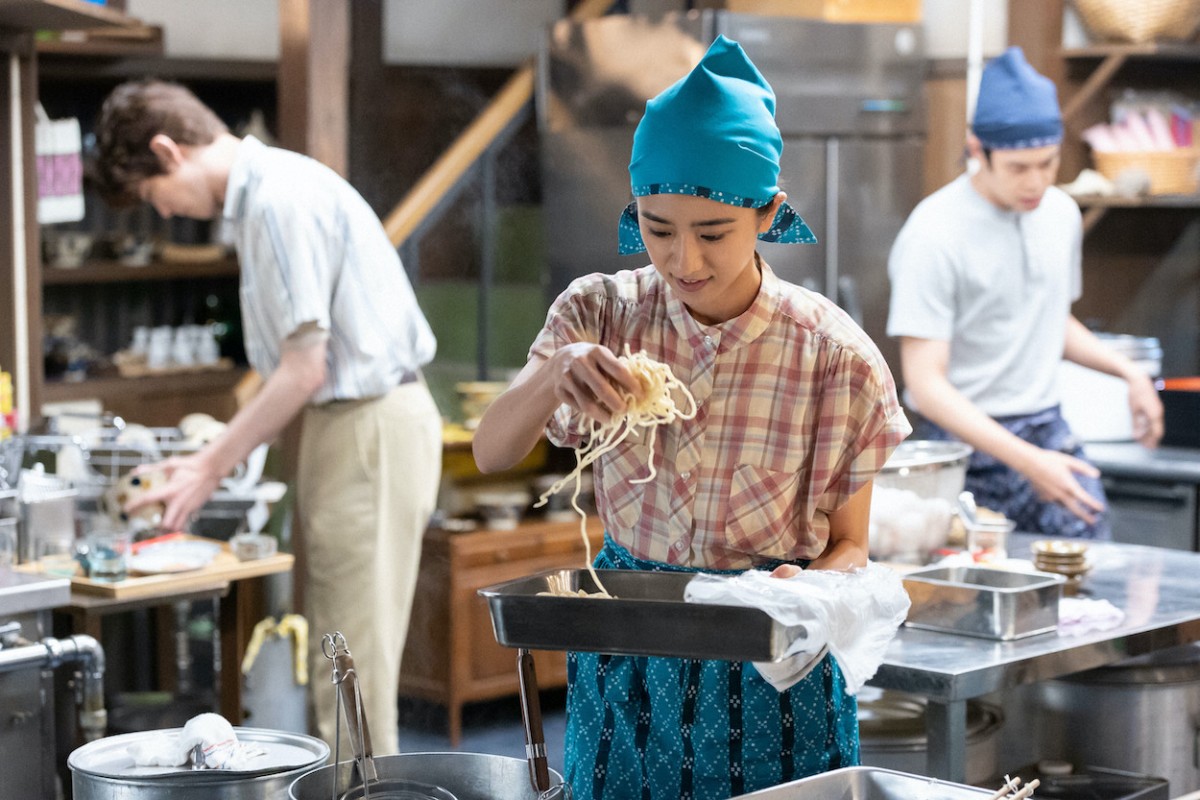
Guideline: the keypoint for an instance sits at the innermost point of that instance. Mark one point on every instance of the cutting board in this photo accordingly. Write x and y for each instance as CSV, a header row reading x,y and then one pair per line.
x,y
225,567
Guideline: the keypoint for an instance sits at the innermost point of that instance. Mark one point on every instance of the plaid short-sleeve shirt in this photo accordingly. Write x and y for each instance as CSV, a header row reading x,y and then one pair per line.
x,y
796,411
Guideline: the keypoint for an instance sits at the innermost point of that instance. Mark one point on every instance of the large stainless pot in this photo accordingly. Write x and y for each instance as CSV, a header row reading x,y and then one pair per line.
x,y
1141,715
469,776
103,769
892,734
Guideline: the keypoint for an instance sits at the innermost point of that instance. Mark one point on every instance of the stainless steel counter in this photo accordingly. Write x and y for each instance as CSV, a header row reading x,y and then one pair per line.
x,y
1155,587
1131,460
21,593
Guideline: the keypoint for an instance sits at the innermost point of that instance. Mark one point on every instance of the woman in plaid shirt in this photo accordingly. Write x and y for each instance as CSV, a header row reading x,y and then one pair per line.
x,y
797,411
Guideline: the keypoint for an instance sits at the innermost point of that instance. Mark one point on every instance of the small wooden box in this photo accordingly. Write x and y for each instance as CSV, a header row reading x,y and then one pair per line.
x,y
901,11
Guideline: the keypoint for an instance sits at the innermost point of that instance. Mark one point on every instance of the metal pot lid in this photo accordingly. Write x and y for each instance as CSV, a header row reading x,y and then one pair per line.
x,y
899,719
1174,665
1137,348
926,453
109,757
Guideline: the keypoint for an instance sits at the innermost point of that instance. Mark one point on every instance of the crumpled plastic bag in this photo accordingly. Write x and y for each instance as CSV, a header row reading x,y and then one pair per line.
x,y
211,732
855,614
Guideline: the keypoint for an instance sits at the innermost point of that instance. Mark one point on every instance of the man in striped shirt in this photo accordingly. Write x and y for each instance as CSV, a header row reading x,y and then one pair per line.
x,y
332,323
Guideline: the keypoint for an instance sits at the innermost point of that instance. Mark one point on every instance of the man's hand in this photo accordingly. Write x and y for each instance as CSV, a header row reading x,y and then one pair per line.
x,y
1146,409
1053,477
190,482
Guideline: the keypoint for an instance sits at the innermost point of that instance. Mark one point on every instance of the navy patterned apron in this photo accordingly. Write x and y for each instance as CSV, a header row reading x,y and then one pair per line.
x,y
677,729
1001,488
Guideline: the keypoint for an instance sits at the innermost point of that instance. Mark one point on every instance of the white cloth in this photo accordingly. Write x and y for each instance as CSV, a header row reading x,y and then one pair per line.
x,y
854,614
998,285
1081,615
211,732
312,252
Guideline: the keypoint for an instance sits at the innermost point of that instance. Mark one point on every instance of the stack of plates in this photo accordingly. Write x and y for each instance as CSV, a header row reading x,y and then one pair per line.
x,y
1067,558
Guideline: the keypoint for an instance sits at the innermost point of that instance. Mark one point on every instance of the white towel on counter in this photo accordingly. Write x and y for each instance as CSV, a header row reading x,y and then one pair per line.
x,y
854,614
1080,615
211,732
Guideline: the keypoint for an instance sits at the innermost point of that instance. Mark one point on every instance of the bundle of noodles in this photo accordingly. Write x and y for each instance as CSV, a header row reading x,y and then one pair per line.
x,y
653,406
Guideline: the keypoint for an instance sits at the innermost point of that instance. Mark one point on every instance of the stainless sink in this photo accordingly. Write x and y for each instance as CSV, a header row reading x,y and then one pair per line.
x,y
868,783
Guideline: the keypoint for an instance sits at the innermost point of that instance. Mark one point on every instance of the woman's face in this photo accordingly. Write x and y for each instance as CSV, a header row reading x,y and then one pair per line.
x,y
705,251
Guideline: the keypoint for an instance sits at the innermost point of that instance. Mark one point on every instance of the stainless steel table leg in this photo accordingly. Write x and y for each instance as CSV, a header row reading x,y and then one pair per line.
x,y
946,732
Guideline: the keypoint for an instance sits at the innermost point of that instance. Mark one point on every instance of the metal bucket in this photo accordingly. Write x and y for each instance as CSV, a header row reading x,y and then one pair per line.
x,y
468,776
892,733
1141,715
103,769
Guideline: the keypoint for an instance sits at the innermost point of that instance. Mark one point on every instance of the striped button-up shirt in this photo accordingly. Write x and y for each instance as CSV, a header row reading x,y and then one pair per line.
x,y
796,411
313,253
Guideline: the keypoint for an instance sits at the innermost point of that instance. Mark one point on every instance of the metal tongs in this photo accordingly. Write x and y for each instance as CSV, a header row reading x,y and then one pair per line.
x,y
364,777
349,702
535,740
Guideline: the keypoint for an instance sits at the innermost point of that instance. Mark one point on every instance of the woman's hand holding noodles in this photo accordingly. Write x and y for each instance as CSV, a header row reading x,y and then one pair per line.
x,y
590,378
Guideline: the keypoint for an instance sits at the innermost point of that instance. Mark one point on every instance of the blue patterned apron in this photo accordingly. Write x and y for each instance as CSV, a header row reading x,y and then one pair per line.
x,y
682,729
1001,488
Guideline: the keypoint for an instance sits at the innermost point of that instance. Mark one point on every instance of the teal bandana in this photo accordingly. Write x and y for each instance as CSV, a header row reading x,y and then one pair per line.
x,y
712,134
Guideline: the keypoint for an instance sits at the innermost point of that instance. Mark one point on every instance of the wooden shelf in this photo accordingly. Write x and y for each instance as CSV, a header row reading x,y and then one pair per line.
x,y
105,271
1095,208
178,382
1173,51
135,41
75,66
156,400
30,15
1156,201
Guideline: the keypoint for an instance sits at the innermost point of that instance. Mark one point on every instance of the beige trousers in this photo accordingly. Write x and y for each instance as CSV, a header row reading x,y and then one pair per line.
x,y
368,483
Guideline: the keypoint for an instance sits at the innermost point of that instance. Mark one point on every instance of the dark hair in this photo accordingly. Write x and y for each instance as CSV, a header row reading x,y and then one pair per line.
x,y
132,115
987,155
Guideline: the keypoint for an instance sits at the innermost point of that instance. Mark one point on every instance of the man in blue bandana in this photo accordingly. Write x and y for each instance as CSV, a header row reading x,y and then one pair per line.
x,y
983,275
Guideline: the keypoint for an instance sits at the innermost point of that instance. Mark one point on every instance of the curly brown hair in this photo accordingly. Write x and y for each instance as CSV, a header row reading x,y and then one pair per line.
x,y
132,115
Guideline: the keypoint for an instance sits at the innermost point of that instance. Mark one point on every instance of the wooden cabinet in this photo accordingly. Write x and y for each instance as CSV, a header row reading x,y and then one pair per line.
x,y
451,656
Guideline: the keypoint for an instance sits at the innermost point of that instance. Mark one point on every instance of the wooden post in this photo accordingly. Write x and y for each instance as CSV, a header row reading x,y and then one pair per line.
x,y
314,60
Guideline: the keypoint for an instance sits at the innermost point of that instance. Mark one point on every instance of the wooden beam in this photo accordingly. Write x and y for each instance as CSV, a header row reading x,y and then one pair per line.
x,y
462,154
1037,27
1095,82
314,77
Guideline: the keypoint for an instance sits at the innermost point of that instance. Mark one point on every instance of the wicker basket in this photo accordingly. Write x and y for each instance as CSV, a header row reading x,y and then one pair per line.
x,y
1139,21
1170,171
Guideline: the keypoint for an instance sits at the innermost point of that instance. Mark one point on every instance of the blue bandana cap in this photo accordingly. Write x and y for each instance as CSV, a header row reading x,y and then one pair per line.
x,y
712,134
1017,107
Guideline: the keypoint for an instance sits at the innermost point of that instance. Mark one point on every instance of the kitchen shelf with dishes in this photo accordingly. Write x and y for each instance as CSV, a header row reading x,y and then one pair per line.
x,y
112,271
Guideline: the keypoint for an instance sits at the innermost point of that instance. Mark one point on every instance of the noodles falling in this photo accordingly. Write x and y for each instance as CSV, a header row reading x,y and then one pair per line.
x,y
655,406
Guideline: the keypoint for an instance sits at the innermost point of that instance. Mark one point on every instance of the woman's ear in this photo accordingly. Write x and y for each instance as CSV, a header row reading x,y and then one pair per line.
x,y
167,151
767,218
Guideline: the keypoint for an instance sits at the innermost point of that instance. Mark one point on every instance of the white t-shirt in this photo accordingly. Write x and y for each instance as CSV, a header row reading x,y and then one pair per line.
x,y
998,285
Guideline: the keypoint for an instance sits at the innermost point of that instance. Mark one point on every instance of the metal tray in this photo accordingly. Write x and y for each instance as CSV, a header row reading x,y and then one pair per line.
x,y
648,617
989,603
868,783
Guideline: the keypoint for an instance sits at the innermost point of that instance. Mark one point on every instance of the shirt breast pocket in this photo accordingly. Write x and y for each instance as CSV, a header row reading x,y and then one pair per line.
x,y
763,512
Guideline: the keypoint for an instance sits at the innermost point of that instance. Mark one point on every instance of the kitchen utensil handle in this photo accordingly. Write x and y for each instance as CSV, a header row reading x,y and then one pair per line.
x,y
531,714
356,722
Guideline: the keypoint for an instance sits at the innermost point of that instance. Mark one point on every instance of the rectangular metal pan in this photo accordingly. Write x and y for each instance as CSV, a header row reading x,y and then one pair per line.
x,y
989,603
648,617
869,783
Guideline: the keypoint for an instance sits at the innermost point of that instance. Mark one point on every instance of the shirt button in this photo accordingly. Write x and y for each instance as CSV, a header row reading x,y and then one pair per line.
x,y
685,475
678,545
708,340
